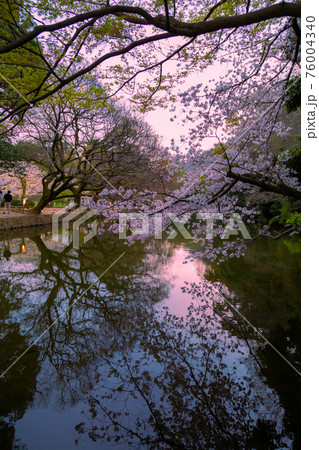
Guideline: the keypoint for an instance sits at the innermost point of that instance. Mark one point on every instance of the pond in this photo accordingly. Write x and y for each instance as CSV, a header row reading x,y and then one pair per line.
x,y
148,352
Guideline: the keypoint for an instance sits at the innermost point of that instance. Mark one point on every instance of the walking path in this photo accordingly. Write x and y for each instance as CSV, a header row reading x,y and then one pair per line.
x,y
18,219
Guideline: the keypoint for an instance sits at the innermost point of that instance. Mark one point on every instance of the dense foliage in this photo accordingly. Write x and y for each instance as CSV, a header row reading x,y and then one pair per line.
x,y
252,53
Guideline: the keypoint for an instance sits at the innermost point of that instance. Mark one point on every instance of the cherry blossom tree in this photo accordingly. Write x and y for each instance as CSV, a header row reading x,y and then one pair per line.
x,y
25,184
73,39
83,142
251,51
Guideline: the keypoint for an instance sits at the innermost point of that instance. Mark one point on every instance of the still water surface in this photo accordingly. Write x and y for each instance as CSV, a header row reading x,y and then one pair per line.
x,y
150,355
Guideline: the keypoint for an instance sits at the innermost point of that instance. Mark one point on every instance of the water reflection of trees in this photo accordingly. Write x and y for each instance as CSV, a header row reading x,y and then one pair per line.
x,y
209,381
266,290
153,380
189,384
17,388
34,292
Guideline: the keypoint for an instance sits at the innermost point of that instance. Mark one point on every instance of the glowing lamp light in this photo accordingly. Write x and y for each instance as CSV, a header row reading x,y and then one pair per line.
x,y
23,203
23,248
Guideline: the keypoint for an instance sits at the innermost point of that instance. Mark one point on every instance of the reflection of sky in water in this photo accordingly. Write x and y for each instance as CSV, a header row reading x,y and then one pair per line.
x,y
238,362
51,420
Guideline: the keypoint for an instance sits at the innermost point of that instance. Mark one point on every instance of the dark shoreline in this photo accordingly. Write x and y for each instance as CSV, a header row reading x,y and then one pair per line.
x,y
14,222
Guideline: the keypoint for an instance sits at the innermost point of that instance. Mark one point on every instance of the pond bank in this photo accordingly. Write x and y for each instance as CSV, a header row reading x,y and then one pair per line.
x,y
19,220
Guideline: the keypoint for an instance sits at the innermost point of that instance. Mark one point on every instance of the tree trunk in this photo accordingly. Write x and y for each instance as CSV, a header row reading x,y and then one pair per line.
x,y
268,187
77,199
23,187
44,200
